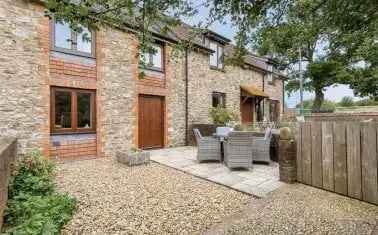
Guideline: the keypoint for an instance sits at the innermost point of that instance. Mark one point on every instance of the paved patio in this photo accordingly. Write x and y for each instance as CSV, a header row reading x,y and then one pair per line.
x,y
259,181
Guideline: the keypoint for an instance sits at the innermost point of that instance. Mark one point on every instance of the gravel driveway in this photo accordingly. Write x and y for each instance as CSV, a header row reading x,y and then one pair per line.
x,y
153,199
300,209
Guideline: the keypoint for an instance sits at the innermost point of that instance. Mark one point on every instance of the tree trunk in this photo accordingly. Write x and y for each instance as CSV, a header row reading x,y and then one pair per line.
x,y
319,98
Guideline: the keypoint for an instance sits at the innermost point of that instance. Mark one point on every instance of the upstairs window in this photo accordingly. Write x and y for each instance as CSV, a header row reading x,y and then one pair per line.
x,y
64,39
153,60
216,58
219,99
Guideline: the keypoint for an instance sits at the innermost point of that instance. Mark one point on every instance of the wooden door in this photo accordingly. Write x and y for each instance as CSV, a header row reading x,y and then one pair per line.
x,y
246,108
151,122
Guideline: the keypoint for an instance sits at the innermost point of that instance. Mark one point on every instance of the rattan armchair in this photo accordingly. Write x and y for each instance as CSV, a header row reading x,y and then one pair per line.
x,y
261,147
238,150
209,148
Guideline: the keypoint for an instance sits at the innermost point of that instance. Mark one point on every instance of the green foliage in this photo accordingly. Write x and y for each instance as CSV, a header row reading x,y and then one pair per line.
x,y
38,214
327,105
366,102
346,101
223,116
33,205
33,176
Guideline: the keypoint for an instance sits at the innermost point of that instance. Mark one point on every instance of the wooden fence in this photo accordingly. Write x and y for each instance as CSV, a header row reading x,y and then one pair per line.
x,y
340,157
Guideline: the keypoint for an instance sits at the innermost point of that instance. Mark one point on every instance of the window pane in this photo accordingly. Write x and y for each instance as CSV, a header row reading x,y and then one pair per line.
x,y
84,110
213,56
156,58
62,35
62,109
84,41
220,57
215,101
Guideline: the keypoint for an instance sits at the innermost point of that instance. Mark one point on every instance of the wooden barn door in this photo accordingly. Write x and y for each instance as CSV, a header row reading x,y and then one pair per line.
x,y
151,122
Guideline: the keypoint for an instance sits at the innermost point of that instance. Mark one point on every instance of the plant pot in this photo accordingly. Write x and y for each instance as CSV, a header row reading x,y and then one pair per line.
x,y
133,158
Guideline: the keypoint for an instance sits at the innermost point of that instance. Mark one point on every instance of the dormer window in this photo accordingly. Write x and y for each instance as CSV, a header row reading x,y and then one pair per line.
x,y
217,57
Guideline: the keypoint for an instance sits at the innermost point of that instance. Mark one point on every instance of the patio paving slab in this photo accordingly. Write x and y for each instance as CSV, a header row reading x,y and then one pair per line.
x,y
259,181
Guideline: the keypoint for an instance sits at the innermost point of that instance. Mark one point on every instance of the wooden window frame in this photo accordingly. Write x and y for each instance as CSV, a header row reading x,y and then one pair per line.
x,y
156,69
217,67
218,95
74,129
74,36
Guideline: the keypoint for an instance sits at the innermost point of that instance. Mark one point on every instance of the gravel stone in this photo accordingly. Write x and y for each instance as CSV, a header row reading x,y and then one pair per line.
x,y
153,199
301,209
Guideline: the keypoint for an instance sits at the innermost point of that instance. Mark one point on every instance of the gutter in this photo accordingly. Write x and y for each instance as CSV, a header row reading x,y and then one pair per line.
x,y
186,98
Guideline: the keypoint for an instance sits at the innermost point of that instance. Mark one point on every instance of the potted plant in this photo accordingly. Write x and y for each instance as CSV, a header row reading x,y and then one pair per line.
x,y
133,157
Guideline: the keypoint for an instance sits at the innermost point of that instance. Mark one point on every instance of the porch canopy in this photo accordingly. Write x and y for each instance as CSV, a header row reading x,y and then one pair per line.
x,y
250,90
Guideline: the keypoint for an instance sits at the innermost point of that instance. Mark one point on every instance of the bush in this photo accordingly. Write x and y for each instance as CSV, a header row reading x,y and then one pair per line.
x,y
367,102
328,106
33,206
33,176
222,116
346,101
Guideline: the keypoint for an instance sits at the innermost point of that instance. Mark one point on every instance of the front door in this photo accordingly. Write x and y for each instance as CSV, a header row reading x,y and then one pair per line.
x,y
151,122
246,108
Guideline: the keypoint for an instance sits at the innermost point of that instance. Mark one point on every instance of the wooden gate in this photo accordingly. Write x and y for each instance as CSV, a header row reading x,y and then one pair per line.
x,y
339,157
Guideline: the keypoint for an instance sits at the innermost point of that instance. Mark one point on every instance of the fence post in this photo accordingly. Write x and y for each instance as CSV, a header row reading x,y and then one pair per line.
x,y
287,156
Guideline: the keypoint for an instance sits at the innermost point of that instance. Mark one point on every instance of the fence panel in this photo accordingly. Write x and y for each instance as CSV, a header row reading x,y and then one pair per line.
x,y
354,160
339,157
368,159
306,153
327,156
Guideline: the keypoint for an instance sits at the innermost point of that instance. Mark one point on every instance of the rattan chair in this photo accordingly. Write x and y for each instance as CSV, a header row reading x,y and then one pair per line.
x,y
209,148
261,147
238,149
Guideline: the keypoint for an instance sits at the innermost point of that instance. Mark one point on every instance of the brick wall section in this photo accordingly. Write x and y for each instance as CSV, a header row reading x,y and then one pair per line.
x,y
67,147
7,157
59,67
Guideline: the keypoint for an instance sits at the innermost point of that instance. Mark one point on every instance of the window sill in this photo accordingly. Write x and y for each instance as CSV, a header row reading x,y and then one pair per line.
x,y
218,69
73,132
152,69
73,53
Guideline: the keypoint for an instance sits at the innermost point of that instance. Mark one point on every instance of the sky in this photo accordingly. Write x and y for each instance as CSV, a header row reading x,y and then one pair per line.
x,y
334,93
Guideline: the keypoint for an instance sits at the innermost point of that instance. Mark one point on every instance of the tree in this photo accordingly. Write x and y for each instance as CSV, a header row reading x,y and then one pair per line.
x,y
345,32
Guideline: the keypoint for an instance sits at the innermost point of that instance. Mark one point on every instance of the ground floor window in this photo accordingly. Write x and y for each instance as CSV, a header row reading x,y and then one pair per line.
x,y
72,110
219,99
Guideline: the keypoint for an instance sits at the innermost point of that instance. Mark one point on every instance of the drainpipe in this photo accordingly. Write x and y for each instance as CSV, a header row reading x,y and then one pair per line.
x,y
186,97
283,96
263,99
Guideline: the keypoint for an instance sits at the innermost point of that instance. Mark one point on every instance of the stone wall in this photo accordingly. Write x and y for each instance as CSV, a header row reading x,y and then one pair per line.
x,y
342,116
7,157
175,75
24,91
117,91
203,81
